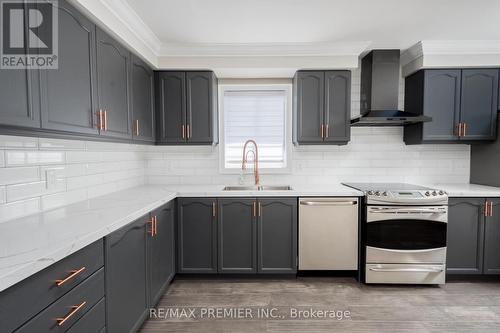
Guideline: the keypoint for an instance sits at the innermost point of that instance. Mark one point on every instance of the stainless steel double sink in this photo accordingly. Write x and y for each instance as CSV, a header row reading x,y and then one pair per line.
x,y
258,188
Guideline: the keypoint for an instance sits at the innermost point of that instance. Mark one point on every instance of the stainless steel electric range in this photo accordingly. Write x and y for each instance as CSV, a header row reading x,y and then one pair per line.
x,y
404,233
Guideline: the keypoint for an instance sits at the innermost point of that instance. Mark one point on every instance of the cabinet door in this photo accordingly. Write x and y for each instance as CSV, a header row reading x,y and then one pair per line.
x,y
126,295
277,235
171,107
237,235
309,106
142,87
113,62
68,95
338,106
197,235
465,236
161,252
200,107
442,104
479,103
491,239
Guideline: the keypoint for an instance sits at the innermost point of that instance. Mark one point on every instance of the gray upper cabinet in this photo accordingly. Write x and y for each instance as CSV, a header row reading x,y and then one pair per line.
x,y
337,106
186,104
171,107
309,112
68,94
237,235
322,107
113,64
126,287
142,110
479,103
461,103
197,235
277,235
465,236
161,251
201,107
491,239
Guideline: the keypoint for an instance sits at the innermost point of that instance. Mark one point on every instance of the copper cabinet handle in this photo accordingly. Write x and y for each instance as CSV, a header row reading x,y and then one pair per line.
x,y
152,223
75,309
464,129
156,225
98,119
183,132
254,209
489,208
74,273
260,208
105,120
326,131
322,131
214,211
137,127
458,130
188,131
485,209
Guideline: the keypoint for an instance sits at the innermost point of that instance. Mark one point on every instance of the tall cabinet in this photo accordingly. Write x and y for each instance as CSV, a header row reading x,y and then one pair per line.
x,y
321,107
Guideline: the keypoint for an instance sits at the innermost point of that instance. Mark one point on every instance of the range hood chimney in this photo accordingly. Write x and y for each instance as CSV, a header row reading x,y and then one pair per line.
x,y
380,91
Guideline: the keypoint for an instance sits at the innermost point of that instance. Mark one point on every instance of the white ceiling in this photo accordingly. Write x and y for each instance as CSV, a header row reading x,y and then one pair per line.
x,y
382,23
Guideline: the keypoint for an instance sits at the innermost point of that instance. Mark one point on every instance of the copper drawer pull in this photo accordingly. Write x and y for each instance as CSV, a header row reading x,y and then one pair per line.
x,y
254,209
105,120
156,225
260,208
152,230
69,277
75,309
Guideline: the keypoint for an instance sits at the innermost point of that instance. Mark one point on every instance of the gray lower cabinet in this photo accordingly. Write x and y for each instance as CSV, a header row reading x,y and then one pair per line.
x,y
68,93
491,239
113,64
237,222
321,107
473,246
197,235
126,287
186,108
161,252
142,109
461,102
277,235
92,321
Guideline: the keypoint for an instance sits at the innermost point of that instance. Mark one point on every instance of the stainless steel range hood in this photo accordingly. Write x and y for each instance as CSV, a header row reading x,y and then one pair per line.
x,y
379,92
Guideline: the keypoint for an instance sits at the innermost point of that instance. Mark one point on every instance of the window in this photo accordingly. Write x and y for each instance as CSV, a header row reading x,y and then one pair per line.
x,y
255,112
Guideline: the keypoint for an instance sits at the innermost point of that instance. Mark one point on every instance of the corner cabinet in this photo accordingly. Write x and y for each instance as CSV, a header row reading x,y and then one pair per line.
x,y
321,107
186,108
461,102
473,233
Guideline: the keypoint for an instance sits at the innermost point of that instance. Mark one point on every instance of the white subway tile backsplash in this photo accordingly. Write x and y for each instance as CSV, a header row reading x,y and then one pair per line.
x,y
20,157
2,158
17,142
3,199
30,190
57,144
19,175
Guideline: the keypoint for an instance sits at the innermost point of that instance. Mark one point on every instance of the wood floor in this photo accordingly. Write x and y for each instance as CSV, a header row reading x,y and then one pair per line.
x,y
454,307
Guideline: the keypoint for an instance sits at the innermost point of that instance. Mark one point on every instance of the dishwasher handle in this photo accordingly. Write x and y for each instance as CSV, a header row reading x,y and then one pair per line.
x,y
329,203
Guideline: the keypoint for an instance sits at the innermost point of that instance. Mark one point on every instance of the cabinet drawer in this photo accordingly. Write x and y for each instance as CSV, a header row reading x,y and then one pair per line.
x,y
93,321
61,315
24,300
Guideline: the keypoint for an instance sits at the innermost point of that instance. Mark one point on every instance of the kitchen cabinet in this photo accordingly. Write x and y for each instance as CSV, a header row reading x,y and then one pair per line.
x,y
237,222
161,252
277,235
197,235
186,104
321,108
126,287
465,236
461,103
491,238
142,110
473,233
68,94
113,64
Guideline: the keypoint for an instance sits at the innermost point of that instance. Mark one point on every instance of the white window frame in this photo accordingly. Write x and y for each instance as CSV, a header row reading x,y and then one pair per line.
x,y
288,126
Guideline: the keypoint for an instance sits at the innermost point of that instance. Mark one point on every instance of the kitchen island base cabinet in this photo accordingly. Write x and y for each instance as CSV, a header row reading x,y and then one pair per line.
x,y
197,235
473,234
126,290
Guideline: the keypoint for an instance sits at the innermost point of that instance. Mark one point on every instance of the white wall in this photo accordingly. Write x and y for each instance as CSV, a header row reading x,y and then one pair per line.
x,y
83,169
373,154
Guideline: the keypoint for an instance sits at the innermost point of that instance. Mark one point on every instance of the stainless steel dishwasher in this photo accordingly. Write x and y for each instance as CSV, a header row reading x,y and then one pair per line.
x,y
328,233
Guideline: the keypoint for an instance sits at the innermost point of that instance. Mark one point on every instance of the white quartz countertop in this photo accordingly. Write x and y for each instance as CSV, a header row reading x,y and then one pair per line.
x,y
32,243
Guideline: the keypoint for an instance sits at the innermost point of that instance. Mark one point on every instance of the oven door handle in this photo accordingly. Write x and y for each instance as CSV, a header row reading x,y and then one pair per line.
x,y
407,211
413,270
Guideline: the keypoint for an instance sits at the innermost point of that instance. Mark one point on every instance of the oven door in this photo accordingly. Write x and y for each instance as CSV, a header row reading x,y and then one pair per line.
x,y
406,234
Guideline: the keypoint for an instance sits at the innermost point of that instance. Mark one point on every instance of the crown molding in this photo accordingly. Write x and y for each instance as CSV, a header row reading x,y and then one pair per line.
x,y
446,54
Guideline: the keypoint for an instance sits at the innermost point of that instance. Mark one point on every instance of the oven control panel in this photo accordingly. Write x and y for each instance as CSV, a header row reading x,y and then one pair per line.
x,y
407,196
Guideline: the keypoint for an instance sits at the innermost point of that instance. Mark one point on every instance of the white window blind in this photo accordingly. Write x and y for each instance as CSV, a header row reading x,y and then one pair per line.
x,y
258,115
